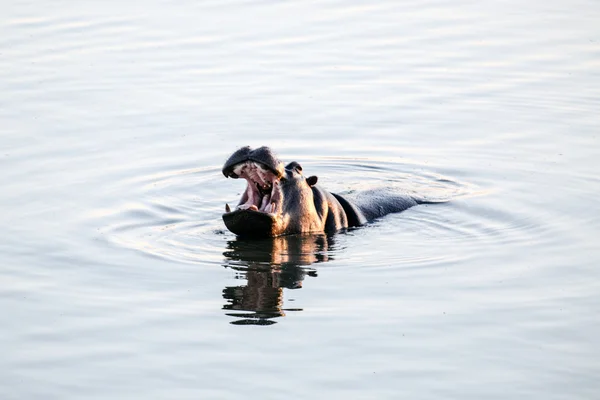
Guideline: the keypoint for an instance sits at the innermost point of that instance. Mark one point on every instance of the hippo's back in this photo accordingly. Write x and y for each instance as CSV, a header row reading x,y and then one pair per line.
x,y
376,203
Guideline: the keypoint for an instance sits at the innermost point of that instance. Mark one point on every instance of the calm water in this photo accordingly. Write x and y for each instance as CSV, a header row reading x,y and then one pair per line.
x,y
118,279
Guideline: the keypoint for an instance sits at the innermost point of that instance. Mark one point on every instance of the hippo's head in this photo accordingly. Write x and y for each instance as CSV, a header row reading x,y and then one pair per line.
x,y
278,200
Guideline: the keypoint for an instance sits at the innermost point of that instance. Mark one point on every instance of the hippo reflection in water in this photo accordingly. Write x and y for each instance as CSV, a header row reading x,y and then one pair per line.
x,y
280,200
269,266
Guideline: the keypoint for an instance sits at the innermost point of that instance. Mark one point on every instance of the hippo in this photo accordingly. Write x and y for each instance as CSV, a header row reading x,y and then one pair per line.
x,y
280,200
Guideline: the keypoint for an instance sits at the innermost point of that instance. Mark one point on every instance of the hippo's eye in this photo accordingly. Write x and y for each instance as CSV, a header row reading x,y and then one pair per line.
x,y
294,165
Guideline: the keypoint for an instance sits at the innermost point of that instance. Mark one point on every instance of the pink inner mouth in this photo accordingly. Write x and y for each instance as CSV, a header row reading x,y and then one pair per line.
x,y
263,192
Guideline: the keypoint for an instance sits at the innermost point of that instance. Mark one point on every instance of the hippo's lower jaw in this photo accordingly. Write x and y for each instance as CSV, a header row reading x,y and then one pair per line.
x,y
251,223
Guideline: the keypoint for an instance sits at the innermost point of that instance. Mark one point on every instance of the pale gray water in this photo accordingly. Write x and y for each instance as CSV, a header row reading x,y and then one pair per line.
x,y
118,279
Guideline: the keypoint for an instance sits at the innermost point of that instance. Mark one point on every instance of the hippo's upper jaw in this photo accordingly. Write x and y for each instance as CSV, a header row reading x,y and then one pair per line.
x,y
259,209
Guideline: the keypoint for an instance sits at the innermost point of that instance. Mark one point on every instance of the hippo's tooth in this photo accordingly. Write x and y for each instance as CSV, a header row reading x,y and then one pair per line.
x,y
227,208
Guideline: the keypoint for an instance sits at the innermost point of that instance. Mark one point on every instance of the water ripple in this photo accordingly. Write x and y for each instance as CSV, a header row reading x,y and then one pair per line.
x,y
177,214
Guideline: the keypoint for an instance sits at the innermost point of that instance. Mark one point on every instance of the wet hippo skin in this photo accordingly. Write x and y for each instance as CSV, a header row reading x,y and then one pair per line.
x,y
280,200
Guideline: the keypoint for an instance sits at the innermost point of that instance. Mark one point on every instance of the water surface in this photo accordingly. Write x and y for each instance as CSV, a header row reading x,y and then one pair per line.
x,y
119,280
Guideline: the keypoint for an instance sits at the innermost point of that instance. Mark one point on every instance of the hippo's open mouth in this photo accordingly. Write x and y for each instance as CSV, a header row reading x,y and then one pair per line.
x,y
263,192
257,211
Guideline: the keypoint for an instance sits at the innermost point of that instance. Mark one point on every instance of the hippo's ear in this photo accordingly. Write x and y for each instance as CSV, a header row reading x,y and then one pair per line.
x,y
312,180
